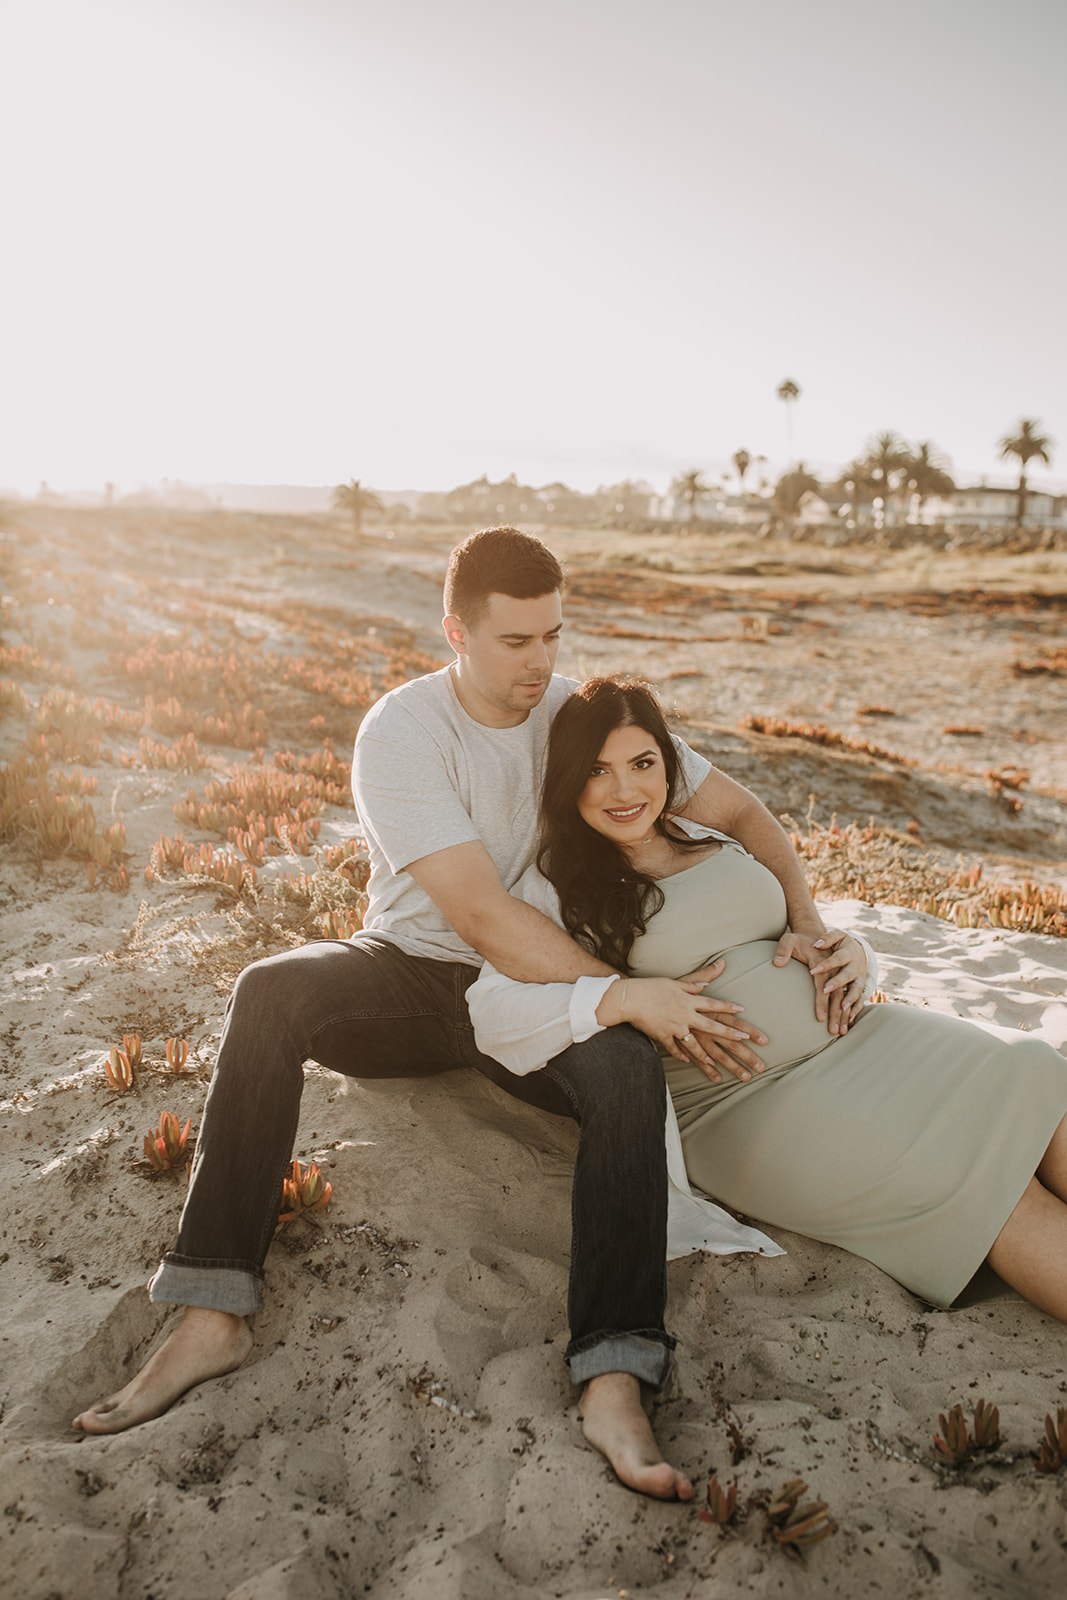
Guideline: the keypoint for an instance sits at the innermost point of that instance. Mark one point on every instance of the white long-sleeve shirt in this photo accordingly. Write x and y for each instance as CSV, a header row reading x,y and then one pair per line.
x,y
524,1025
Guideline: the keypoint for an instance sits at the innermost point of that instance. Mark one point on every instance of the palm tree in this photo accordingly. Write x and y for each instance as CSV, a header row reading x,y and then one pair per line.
x,y
1026,445
886,459
689,486
791,488
353,498
855,481
789,393
928,474
742,461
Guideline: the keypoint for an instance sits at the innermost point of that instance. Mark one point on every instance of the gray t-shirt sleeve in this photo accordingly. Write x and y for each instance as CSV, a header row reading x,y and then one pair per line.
x,y
405,795
695,769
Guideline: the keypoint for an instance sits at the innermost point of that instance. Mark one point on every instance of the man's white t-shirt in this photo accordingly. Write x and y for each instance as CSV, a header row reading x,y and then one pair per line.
x,y
426,776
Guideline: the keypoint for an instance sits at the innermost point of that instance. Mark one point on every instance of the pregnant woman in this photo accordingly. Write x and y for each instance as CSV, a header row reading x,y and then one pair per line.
x,y
923,1142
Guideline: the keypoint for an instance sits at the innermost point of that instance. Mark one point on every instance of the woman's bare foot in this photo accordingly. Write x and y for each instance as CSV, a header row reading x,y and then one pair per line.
x,y
205,1344
614,1422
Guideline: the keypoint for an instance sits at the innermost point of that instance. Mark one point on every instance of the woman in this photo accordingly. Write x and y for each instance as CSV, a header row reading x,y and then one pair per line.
x,y
922,1142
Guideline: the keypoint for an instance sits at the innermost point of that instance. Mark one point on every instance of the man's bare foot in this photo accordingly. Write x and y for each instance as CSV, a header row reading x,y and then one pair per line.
x,y
205,1344
614,1422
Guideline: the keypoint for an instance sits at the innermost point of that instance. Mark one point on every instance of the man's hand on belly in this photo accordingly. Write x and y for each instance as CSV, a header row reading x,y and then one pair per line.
x,y
838,967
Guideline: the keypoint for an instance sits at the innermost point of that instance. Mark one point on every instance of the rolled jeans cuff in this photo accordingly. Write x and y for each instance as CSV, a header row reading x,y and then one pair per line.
x,y
649,1360
211,1288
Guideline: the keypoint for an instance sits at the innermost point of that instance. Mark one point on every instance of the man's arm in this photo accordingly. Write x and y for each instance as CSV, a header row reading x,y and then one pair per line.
x,y
731,808
464,885
524,944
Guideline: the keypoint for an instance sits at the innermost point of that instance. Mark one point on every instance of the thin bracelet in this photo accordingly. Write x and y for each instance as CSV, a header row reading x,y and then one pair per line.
x,y
622,1001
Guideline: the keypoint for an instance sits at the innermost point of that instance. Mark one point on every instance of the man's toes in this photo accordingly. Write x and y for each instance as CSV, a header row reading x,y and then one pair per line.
x,y
659,1480
107,1417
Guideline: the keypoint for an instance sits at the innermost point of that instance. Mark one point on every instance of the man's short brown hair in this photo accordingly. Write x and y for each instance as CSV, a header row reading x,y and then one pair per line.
x,y
498,561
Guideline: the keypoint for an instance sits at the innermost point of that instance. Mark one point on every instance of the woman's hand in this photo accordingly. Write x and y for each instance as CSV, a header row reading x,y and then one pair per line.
x,y
838,998
692,1026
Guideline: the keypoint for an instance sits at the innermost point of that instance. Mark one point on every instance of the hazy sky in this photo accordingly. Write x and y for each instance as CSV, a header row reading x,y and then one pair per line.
x,y
412,241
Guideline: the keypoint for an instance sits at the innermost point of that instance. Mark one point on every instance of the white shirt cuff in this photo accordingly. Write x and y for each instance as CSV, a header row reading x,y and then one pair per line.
x,y
585,997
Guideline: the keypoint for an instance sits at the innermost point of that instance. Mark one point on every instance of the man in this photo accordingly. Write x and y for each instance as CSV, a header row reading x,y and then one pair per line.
x,y
445,776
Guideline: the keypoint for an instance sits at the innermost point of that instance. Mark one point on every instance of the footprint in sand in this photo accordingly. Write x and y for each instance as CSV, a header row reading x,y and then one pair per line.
x,y
110,1356
492,1301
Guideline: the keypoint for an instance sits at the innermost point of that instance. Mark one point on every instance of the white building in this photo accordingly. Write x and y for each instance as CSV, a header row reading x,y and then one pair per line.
x,y
984,506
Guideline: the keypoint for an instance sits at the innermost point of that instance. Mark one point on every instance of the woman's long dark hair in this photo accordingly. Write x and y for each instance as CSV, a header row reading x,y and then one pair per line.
x,y
605,901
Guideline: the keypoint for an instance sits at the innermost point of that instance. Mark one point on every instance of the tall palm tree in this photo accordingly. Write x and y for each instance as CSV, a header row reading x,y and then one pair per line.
x,y
742,461
1026,445
689,486
927,473
353,498
886,460
789,393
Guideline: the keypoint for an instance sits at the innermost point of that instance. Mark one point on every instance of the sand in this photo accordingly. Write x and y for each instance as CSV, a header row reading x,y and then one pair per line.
x,y
404,1426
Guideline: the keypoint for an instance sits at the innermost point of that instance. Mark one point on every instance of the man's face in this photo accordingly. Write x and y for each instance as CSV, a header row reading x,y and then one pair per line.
x,y
506,658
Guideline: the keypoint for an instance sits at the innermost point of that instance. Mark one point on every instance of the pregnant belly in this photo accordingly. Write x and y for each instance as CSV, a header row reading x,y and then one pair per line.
x,y
778,1000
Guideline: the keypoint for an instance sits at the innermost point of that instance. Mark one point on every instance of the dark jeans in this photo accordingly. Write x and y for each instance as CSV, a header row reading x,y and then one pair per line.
x,y
367,1009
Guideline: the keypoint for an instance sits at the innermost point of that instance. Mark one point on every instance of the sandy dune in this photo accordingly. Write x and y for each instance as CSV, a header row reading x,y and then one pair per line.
x,y
404,1426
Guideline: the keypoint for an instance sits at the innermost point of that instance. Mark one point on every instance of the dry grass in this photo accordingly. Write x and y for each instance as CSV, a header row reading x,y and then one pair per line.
x,y
819,733
884,867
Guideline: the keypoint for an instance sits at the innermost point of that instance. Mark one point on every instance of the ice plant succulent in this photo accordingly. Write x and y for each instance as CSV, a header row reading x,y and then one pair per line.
x,y
986,1426
722,1503
953,1443
165,1146
303,1191
1052,1452
340,924
797,1527
131,1044
177,1054
819,733
874,863
118,1069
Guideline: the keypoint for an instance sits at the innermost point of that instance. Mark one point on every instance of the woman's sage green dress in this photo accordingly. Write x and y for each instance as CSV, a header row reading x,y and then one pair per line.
x,y
908,1141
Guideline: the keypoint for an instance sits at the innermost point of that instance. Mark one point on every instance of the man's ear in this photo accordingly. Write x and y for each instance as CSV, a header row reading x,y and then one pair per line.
x,y
455,634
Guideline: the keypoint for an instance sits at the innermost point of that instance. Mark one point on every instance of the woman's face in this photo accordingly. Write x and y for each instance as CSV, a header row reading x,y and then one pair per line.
x,y
627,788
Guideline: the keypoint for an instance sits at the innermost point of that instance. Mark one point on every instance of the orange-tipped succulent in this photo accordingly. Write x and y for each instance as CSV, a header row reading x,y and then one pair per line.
x,y
797,1527
340,924
1052,1452
986,1426
722,1503
165,1147
177,1054
131,1043
303,1191
952,1442
118,1070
